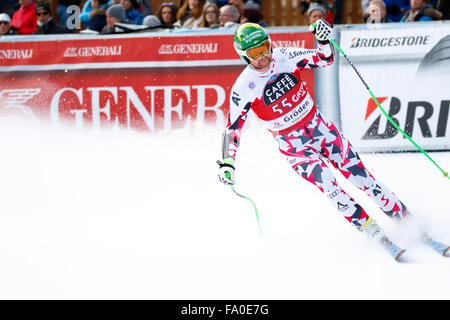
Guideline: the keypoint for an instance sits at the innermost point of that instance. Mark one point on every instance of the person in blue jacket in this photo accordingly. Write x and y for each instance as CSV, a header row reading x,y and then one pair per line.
x,y
420,11
84,16
132,13
395,9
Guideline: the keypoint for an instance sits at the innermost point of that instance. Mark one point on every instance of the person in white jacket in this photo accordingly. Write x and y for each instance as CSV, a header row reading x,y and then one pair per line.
x,y
190,14
271,85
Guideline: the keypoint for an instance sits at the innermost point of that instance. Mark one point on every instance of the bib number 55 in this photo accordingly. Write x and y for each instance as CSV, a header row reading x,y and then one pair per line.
x,y
284,104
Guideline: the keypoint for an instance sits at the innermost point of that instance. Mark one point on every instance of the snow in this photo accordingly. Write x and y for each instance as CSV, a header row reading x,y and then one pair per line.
x,y
128,215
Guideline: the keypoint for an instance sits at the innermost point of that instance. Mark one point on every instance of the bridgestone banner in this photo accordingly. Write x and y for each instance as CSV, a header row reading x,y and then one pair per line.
x,y
408,70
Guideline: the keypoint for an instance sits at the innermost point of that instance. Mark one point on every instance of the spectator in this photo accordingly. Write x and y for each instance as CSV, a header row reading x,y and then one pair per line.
x,y
146,6
114,14
97,17
62,10
5,22
221,3
45,22
332,16
132,13
167,13
229,16
88,7
9,6
395,9
239,4
84,16
190,14
444,7
377,12
250,4
365,9
420,12
253,15
315,12
24,19
304,5
152,21
210,16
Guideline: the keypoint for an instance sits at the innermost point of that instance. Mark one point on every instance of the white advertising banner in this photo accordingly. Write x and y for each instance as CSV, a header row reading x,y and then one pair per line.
x,y
408,70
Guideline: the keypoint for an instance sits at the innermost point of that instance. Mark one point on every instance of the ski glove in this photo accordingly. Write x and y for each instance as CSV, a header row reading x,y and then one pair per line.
x,y
322,30
226,171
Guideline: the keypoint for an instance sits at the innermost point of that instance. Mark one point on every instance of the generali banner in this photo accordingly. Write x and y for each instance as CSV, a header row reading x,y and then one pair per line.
x,y
151,82
408,70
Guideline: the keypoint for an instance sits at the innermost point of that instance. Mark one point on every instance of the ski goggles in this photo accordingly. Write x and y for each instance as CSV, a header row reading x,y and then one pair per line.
x,y
255,53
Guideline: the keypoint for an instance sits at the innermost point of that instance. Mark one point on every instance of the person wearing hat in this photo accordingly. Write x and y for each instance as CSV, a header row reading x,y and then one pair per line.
x,y
132,13
45,22
5,22
250,4
24,19
377,12
115,13
316,12
152,21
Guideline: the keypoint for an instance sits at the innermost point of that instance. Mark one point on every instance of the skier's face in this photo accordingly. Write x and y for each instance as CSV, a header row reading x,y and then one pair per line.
x,y
262,63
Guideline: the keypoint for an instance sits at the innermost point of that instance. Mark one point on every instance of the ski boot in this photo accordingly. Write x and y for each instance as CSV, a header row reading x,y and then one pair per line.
x,y
374,231
441,248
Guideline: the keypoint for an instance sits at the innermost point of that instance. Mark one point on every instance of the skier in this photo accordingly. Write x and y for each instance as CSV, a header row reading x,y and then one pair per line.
x,y
271,86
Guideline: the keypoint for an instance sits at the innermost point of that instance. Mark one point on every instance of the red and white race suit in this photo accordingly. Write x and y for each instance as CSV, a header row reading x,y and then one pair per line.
x,y
280,99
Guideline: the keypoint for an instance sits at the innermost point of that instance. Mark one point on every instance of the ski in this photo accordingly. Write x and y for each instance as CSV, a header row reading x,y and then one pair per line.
x,y
441,248
373,230
394,250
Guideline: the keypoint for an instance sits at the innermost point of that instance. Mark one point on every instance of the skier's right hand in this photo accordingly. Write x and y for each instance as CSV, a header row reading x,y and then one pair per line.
x,y
321,30
226,171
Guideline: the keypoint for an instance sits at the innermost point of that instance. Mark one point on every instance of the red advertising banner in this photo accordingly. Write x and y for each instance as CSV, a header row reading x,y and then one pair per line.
x,y
146,83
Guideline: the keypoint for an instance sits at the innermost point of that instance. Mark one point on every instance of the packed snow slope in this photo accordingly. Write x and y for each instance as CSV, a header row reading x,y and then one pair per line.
x,y
123,215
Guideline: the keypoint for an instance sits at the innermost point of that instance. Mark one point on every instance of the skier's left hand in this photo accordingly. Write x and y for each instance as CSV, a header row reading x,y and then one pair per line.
x,y
226,171
321,29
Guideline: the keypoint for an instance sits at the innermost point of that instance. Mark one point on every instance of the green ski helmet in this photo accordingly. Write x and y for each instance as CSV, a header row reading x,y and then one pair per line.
x,y
249,35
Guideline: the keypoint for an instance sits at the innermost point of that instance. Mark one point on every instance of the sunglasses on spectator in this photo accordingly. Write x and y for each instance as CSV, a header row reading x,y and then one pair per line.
x,y
4,22
42,13
167,4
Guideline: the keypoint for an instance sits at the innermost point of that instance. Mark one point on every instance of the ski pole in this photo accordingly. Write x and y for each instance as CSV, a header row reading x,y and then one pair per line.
x,y
228,175
386,114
